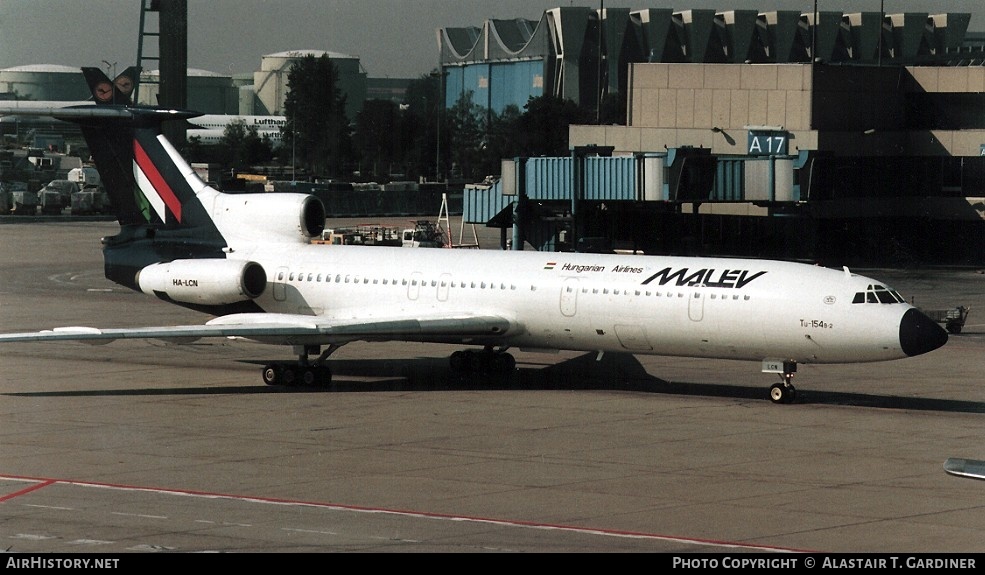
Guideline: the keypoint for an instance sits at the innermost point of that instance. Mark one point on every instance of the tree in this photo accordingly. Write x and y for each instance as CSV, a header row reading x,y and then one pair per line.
x,y
502,140
613,110
234,138
377,138
244,146
467,137
317,129
543,126
426,141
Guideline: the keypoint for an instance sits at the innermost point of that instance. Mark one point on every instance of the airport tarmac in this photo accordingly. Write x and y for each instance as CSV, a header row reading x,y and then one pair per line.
x,y
142,446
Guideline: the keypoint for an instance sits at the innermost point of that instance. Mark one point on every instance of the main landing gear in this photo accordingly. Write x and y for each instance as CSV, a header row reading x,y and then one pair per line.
x,y
785,392
304,372
488,360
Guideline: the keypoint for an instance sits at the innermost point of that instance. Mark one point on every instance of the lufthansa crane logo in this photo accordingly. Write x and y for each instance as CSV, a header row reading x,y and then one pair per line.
x,y
103,91
125,84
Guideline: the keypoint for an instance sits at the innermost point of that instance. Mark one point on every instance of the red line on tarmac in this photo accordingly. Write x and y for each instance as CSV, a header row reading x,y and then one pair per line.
x,y
44,482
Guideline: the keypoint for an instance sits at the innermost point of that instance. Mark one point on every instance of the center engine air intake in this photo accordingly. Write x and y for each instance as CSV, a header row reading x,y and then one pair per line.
x,y
275,217
204,281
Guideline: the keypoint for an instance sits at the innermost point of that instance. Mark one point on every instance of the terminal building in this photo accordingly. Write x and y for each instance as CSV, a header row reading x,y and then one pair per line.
x,y
849,138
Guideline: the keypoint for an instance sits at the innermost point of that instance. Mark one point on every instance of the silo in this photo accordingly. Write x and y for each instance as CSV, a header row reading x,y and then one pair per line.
x,y
44,82
271,80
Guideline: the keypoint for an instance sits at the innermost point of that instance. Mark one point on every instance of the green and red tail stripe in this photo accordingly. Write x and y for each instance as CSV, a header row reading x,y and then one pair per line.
x,y
153,185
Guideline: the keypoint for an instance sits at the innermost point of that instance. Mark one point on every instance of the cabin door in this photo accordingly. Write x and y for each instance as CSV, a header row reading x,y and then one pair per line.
x,y
569,297
696,305
280,285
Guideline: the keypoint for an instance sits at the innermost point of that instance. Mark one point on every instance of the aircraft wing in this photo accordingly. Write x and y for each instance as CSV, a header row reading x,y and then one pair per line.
x,y
290,329
972,468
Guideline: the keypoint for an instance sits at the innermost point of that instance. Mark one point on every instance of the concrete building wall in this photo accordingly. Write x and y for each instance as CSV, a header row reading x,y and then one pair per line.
x,y
208,92
726,96
852,111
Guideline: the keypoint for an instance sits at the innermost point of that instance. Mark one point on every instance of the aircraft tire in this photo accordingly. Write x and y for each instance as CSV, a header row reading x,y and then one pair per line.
x,y
503,363
777,393
288,376
478,362
780,393
458,361
270,374
309,376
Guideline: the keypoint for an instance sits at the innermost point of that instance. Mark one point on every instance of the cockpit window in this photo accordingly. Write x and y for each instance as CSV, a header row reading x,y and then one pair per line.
x,y
885,297
878,294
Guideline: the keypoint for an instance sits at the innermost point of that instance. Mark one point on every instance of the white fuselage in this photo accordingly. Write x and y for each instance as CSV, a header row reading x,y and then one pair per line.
x,y
696,307
211,128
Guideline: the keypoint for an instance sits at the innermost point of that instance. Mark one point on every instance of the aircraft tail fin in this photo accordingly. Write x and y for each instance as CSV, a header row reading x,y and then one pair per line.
x,y
147,180
118,92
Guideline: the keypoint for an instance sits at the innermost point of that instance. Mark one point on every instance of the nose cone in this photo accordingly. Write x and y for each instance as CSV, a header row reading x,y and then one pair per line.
x,y
919,334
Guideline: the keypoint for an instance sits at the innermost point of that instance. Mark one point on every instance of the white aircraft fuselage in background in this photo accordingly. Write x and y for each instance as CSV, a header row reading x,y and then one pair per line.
x,y
211,128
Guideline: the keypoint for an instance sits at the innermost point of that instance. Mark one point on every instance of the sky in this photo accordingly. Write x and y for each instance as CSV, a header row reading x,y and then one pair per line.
x,y
392,38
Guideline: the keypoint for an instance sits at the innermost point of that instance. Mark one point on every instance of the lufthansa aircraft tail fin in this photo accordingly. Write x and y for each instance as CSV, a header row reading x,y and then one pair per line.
x,y
118,92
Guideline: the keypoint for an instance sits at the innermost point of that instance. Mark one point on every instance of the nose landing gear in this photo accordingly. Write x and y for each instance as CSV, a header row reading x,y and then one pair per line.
x,y
783,392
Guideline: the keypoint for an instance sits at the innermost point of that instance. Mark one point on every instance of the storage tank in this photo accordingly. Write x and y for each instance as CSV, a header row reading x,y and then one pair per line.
x,y
42,82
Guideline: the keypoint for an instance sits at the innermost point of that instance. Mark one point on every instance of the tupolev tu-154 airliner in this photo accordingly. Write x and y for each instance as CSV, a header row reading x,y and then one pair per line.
x,y
247,260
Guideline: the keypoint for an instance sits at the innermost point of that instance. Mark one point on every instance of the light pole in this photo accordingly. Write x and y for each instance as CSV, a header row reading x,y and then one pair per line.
x,y
601,90
440,111
882,16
